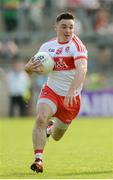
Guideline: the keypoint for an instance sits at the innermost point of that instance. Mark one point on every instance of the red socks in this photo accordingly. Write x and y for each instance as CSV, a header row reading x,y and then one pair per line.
x,y
38,154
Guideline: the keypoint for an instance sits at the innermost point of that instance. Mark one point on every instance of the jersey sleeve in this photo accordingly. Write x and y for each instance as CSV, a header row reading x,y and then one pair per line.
x,y
79,50
81,55
41,49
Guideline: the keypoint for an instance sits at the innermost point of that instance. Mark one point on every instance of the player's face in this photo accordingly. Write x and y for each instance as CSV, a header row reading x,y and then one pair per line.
x,y
64,29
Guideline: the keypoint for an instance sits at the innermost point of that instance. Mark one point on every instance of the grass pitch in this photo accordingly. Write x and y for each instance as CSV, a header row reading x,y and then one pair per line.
x,y
85,151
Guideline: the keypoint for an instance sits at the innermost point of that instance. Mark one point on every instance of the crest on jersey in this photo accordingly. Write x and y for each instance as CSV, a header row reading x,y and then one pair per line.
x,y
59,50
67,49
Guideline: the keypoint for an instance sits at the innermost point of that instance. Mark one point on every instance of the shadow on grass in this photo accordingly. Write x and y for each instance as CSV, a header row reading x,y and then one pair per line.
x,y
14,174
86,173
61,175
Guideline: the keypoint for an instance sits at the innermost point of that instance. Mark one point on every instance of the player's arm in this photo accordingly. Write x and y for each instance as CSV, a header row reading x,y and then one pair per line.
x,y
33,66
81,70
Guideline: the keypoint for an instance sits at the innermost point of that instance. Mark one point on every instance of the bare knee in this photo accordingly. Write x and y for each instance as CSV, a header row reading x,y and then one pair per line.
x,y
56,138
41,120
57,135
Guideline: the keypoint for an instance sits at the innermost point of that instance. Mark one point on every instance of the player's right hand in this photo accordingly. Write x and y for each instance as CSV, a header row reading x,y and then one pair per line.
x,y
33,66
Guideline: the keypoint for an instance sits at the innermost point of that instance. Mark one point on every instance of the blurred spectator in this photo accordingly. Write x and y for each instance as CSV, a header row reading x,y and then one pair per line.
x,y
110,27
105,3
72,4
87,4
19,89
101,21
61,5
36,14
38,83
10,11
90,4
8,49
48,8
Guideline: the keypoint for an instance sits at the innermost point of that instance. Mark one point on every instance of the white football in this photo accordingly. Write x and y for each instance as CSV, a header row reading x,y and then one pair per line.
x,y
47,62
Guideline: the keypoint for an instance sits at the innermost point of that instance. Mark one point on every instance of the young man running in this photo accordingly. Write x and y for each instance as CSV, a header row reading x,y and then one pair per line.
x,y
60,96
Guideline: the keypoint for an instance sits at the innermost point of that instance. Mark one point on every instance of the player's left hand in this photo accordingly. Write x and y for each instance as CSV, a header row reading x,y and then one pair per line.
x,y
70,98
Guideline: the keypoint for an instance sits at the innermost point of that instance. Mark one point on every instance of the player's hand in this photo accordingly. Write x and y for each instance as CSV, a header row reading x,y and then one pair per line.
x,y
70,98
33,66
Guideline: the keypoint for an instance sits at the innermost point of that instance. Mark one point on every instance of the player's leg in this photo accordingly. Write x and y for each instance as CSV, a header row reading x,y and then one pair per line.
x,y
46,108
39,134
63,118
44,112
56,129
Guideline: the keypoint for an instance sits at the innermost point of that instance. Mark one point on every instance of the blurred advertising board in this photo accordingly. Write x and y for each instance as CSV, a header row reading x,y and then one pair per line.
x,y
99,103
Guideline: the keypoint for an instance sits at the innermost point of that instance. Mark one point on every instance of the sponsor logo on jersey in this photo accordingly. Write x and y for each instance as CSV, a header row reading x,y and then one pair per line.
x,y
60,64
64,63
51,50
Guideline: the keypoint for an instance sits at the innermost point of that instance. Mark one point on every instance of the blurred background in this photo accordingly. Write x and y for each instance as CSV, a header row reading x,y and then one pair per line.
x,y
26,24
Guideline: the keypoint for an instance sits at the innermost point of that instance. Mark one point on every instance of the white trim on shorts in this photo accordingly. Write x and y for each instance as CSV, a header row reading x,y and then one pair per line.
x,y
49,102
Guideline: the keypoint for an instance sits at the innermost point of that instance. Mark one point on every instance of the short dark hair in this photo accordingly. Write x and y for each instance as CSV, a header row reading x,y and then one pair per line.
x,y
65,15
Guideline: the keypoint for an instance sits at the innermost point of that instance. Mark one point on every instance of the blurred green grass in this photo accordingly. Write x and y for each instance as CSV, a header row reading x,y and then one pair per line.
x,y
86,150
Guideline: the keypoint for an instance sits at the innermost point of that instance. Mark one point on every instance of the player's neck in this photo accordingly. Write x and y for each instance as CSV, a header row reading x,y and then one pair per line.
x,y
63,42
